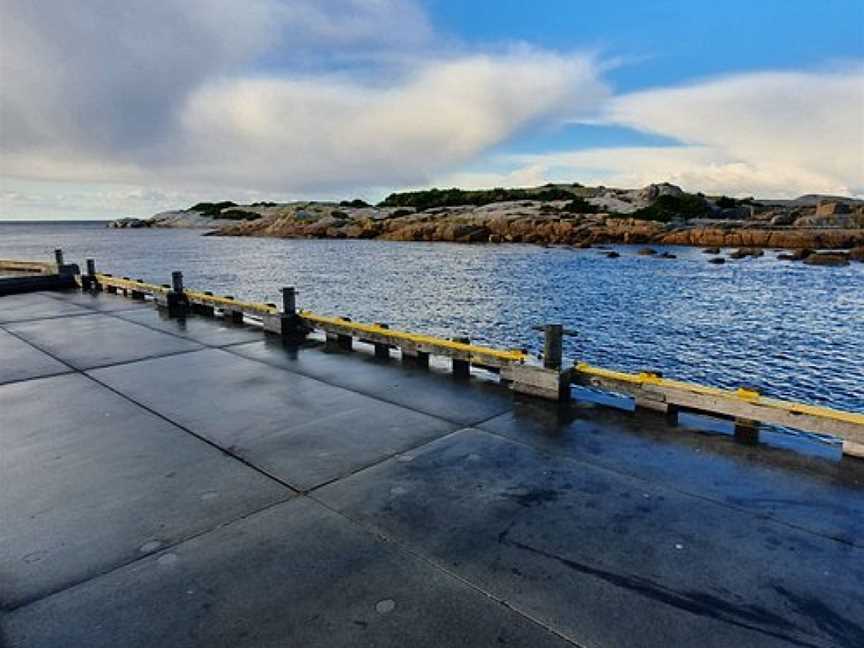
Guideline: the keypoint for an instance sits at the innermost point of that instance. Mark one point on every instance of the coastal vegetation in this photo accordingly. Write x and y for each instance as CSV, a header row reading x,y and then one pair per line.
x,y
553,214
227,210
674,207
210,208
432,198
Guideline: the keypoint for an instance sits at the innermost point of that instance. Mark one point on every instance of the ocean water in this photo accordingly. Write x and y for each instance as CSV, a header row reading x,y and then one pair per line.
x,y
791,330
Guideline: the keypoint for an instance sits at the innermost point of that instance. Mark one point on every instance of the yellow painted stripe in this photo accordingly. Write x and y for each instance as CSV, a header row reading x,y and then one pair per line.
x,y
741,393
230,303
417,338
131,284
28,266
312,318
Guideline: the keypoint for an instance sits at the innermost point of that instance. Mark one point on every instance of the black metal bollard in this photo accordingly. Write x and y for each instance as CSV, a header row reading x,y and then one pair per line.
x,y
461,367
88,281
553,348
176,300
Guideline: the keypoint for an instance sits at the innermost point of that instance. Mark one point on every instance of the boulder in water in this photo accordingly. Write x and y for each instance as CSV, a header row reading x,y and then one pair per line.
x,y
827,259
742,253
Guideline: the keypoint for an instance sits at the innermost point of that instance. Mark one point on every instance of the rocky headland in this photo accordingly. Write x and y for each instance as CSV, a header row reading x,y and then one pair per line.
x,y
554,214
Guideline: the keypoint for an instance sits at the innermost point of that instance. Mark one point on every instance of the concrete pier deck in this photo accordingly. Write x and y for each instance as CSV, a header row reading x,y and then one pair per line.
x,y
188,483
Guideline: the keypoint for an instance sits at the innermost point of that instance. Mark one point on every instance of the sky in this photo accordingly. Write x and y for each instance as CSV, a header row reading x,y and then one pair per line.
x,y
112,109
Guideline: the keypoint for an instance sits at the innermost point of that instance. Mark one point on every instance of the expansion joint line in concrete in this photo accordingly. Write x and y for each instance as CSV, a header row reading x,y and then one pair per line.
x,y
228,348
159,414
161,550
377,462
418,555
362,393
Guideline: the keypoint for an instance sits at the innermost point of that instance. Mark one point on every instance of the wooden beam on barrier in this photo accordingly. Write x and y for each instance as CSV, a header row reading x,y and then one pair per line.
x,y
413,343
745,412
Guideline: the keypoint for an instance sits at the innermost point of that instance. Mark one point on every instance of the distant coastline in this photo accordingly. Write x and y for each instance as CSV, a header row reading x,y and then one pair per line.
x,y
557,214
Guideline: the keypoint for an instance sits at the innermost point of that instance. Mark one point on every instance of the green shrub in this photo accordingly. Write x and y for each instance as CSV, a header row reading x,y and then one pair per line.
x,y
211,209
667,208
580,206
432,198
354,203
725,202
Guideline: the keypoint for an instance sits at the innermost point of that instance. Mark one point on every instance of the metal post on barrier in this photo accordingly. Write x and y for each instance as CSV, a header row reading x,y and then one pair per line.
x,y
288,324
231,314
66,271
289,301
382,351
462,368
345,342
553,346
88,281
177,282
176,300
138,294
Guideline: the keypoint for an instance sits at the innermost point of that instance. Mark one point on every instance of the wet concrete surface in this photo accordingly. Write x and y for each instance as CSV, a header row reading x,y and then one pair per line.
x,y
203,487
29,306
822,495
92,481
21,361
302,431
569,544
101,302
295,575
388,380
195,328
98,339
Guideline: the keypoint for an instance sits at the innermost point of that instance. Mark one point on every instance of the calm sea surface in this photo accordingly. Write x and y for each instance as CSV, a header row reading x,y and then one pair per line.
x,y
792,330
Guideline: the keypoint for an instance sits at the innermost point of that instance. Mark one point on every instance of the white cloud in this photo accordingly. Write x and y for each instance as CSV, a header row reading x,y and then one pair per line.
x,y
805,125
765,134
309,97
696,168
176,93
317,133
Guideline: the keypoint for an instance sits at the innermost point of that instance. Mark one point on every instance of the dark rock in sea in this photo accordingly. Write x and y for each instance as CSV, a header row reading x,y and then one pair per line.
x,y
612,255
128,223
717,260
667,255
797,255
647,251
711,250
742,253
827,259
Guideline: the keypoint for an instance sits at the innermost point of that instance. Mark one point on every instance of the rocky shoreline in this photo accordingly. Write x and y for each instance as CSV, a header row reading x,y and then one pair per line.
x,y
569,215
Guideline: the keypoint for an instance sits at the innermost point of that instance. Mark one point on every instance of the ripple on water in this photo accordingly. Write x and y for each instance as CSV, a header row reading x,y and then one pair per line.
x,y
792,330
